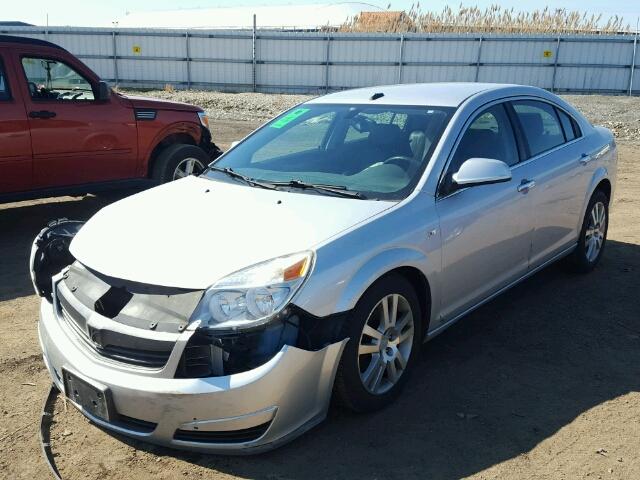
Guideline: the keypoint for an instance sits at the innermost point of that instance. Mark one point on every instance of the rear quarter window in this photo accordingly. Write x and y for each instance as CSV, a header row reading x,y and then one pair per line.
x,y
540,124
569,125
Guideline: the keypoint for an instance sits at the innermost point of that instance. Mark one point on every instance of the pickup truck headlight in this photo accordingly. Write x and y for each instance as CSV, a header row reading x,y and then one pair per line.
x,y
204,119
252,296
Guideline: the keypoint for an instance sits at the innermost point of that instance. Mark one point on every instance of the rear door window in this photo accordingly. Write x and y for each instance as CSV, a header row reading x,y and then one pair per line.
x,y
540,125
4,84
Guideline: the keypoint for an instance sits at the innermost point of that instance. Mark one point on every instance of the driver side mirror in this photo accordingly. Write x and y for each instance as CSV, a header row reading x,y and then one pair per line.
x,y
481,171
104,92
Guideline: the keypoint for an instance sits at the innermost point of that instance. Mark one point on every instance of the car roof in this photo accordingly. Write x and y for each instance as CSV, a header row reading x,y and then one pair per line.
x,y
450,94
28,41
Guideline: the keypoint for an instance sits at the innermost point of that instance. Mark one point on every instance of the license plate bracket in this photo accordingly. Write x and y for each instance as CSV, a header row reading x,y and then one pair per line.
x,y
94,399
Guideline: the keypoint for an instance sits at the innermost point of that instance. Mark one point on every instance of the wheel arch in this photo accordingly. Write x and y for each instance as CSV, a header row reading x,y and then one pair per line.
x,y
421,285
409,263
168,140
599,181
605,186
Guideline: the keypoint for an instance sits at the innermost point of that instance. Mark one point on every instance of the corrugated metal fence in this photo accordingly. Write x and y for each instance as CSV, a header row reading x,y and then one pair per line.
x,y
315,62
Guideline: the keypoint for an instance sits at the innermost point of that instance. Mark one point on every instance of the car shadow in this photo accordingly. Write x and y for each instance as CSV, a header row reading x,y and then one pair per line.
x,y
21,222
489,389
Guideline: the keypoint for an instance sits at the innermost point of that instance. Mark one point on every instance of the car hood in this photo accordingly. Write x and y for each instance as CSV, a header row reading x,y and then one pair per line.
x,y
152,103
192,232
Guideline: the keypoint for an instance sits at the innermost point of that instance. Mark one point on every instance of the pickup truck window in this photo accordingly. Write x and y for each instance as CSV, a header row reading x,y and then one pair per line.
x,y
4,86
50,79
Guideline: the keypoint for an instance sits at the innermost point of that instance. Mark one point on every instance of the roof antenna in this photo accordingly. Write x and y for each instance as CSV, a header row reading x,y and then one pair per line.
x,y
376,96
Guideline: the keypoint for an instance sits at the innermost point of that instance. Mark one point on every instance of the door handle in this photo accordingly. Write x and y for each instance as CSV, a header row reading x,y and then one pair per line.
x,y
526,185
44,114
585,158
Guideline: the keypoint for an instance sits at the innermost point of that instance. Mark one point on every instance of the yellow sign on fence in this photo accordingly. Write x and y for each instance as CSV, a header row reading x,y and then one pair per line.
x,y
547,54
136,49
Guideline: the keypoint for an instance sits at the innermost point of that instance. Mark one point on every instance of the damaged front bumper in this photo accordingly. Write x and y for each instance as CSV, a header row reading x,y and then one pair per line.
x,y
206,143
246,412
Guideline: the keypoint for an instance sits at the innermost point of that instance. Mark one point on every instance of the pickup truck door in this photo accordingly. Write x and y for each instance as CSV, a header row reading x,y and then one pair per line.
x,y
485,230
75,138
15,145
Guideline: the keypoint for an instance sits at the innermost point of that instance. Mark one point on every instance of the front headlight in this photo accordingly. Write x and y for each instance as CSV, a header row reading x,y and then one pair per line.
x,y
252,296
204,119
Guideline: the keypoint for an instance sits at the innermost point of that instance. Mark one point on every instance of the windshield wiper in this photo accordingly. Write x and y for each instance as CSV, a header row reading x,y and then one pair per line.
x,y
335,189
250,181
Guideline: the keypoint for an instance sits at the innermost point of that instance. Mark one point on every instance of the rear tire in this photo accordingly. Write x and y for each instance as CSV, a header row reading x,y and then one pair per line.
x,y
379,356
593,235
178,161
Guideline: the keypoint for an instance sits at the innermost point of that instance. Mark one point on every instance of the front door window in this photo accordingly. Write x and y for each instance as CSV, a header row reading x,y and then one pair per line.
x,y
50,79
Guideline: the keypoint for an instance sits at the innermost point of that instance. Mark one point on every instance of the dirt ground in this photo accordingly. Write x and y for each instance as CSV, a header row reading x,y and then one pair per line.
x,y
543,382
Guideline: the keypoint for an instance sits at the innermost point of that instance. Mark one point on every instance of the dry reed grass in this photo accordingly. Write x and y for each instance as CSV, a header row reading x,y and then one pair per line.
x,y
494,19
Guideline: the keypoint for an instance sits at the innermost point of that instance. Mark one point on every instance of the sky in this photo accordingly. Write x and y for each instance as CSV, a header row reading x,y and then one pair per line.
x,y
103,13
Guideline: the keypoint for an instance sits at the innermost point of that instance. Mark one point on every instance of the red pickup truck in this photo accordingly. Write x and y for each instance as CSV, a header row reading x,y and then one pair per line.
x,y
64,131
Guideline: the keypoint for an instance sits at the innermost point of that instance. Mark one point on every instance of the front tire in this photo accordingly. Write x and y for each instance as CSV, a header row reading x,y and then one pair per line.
x,y
593,235
178,161
384,338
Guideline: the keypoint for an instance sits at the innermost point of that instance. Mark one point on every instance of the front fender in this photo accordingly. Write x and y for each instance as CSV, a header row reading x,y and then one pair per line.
x,y
347,265
337,288
376,267
152,133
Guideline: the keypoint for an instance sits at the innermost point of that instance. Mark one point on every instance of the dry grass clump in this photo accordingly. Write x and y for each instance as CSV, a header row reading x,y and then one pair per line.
x,y
494,19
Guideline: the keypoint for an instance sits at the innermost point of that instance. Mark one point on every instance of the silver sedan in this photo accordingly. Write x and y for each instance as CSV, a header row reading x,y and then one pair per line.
x,y
220,313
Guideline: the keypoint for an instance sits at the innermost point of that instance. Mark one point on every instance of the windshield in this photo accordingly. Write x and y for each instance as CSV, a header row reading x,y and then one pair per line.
x,y
378,151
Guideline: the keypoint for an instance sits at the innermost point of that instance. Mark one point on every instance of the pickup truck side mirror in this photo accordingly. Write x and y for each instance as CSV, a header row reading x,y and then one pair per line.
x,y
104,91
481,171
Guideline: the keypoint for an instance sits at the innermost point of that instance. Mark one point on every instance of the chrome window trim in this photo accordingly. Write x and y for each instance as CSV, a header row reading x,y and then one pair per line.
x,y
545,153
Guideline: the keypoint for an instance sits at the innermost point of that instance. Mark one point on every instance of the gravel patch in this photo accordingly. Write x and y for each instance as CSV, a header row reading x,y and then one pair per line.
x,y
230,106
621,114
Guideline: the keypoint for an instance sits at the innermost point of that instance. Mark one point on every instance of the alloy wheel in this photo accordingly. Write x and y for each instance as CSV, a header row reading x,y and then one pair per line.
x,y
188,166
385,344
595,232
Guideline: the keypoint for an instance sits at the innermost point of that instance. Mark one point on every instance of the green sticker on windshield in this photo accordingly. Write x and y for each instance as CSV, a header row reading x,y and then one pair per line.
x,y
289,117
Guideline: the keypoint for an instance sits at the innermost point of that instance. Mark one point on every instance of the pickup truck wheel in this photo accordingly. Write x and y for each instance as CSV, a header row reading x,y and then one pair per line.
x,y
179,161
384,338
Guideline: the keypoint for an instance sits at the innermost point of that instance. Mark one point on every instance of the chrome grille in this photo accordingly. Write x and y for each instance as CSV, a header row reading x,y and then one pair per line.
x,y
115,346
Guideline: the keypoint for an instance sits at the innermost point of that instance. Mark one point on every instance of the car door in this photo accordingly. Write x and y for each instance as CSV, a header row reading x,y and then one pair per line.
x,y
554,150
485,230
75,138
15,146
